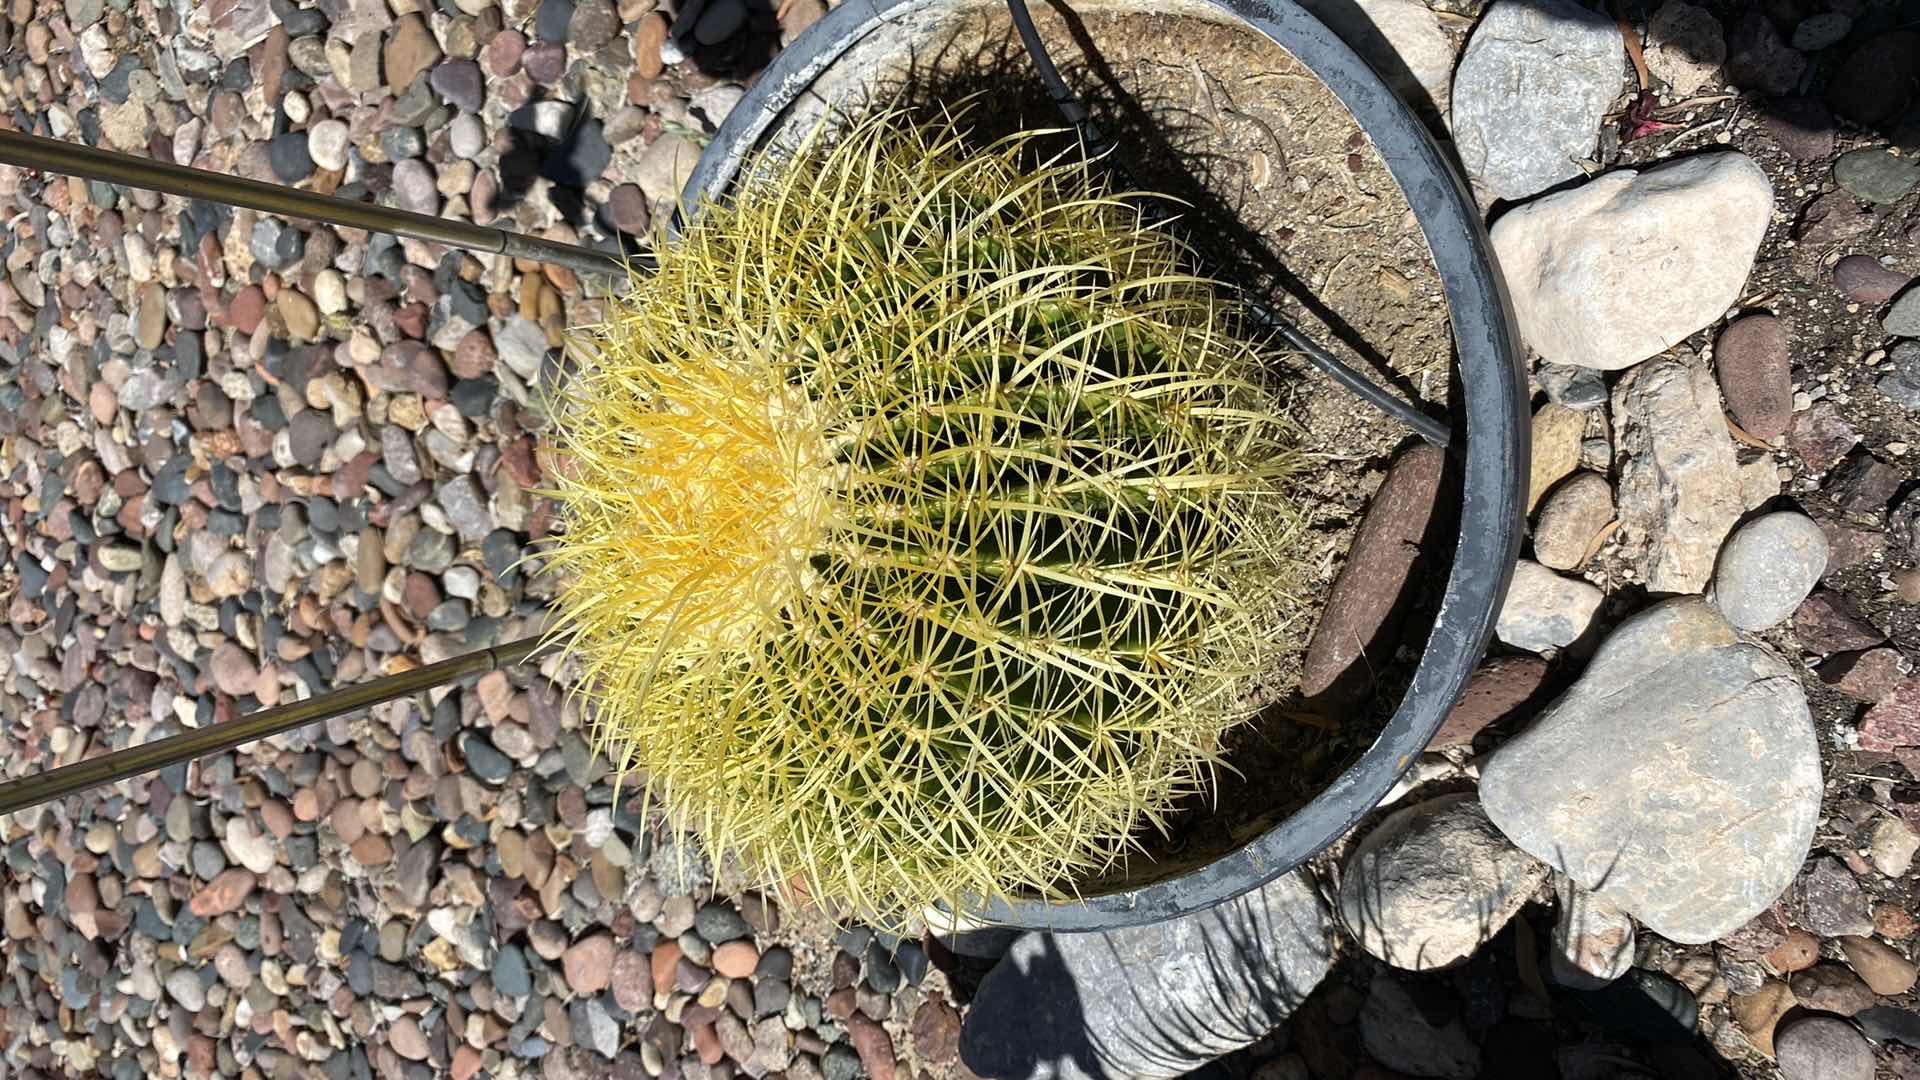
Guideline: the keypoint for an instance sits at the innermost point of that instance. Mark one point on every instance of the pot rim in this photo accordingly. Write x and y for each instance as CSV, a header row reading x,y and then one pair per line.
x,y
1493,475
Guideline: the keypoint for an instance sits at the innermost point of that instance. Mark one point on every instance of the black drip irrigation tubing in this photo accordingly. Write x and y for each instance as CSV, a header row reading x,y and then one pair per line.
x,y
1095,145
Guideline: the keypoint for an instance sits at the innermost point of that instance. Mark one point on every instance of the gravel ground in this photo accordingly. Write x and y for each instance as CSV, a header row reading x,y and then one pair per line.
x,y
243,461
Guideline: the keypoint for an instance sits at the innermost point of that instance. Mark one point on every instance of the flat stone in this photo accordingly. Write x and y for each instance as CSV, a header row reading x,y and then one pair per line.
x,y
1503,688
1869,675
1150,1001
1879,965
1432,883
649,38
1530,92
1592,938
1361,621
411,50
1673,701
233,669
1877,175
1894,723
1544,610
588,964
223,894
1402,40
1570,519
1828,623
522,345
1767,568
1400,1034
1685,46
1751,358
1865,281
1679,480
1654,256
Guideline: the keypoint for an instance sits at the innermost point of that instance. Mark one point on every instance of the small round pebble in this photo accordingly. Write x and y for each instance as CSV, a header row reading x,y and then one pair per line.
x,y
1767,568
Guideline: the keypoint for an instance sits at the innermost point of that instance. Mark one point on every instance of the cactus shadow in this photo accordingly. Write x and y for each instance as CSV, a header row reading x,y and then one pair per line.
x,y
1158,145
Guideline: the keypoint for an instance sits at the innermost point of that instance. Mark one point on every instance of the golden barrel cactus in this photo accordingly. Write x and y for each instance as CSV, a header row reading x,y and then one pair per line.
x,y
925,521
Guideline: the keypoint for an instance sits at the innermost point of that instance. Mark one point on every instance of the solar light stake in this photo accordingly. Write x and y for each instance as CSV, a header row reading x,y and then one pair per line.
x,y
73,159
113,767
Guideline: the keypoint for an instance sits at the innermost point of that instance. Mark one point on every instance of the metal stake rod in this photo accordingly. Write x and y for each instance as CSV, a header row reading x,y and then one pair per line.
x,y
73,159
160,753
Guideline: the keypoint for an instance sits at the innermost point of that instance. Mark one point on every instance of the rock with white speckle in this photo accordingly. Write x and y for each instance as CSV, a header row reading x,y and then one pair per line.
x,y
1530,91
1679,778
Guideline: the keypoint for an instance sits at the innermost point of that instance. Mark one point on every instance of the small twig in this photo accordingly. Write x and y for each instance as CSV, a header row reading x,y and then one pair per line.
x,y
1632,38
1746,436
1600,540
1694,130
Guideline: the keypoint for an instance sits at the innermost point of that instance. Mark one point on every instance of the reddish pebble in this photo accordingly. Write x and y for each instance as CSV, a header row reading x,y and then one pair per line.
x,y
1797,953
1865,281
1362,618
632,981
247,309
1496,691
1895,722
589,964
706,1043
225,893
1864,676
874,1045
736,959
648,38
372,850
504,51
666,962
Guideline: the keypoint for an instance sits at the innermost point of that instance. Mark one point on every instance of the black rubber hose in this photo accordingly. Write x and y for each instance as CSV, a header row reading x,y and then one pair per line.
x,y
1094,144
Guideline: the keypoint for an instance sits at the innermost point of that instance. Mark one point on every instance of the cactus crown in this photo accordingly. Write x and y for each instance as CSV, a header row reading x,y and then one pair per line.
x,y
924,521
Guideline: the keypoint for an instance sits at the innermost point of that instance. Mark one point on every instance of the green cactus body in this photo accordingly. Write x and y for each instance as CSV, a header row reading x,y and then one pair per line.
x,y
924,523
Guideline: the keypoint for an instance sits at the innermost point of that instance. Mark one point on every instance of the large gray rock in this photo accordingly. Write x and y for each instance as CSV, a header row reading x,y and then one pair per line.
x,y
1629,264
1530,91
1150,1001
1433,882
1768,567
1679,778
1402,40
1679,491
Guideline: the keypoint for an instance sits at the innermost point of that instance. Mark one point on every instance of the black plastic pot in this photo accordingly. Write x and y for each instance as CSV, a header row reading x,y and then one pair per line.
x,y
1493,456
